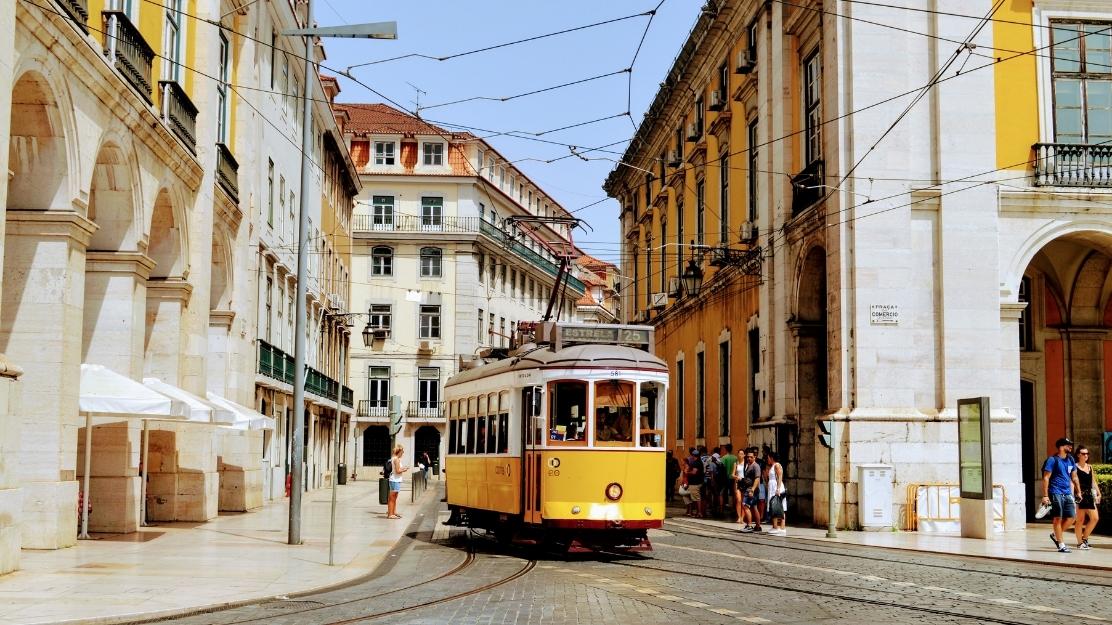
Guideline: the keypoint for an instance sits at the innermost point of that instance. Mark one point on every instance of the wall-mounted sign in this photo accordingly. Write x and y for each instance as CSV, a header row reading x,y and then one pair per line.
x,y
884,314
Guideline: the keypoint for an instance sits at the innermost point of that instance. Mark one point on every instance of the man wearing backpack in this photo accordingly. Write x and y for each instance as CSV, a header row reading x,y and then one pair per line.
x,y
1061,489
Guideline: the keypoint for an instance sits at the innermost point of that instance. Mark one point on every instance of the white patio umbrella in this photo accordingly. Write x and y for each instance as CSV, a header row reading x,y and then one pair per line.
x,y
105,393
245,418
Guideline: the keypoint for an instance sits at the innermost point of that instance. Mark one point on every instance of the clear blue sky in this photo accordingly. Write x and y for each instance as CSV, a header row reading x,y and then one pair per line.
x,y
442,28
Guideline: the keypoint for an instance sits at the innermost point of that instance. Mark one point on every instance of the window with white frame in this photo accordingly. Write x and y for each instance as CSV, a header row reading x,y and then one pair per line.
x,y
378,391
222,100
384,153
1081,66
431,265
429,321
382,212
171,41
382,261
428,391
432,154
812,108
432,213
380,317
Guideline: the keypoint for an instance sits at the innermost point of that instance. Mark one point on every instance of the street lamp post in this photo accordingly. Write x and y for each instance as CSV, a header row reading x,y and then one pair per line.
x,y
384,30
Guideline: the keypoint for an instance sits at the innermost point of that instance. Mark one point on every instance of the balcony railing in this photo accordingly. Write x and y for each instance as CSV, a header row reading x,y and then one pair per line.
x,y
1073,165
808,187
179,113
78,10
425,410
227,171
373,408
128,51
278,365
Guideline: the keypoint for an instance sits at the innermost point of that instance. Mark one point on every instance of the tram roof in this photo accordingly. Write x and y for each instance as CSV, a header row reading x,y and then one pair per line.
x,y
609,356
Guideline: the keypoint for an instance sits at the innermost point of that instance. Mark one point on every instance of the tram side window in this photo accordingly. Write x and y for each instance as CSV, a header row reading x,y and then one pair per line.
x,y
568,412
470,436
453,431
480,436
651,415
492,433
531,411
504,433
614,412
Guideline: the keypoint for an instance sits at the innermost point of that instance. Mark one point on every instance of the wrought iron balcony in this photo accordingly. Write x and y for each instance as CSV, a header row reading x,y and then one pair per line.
x,y
128,51
227,171
1073,165
378,408
278,365
425,410
179,112
78,10
807,187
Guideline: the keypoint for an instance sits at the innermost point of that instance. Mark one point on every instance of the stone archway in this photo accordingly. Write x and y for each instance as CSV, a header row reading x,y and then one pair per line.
x,y
1065,348
809,330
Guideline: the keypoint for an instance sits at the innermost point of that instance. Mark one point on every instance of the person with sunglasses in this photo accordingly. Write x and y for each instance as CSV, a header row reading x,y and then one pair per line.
x,y
1059,487
1087,515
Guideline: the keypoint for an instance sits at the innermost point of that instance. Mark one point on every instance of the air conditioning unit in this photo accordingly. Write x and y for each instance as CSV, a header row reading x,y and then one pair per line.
x,y
745,62
717,100
674,158
693,132
426,346
659,300
675,288
748,232
380,334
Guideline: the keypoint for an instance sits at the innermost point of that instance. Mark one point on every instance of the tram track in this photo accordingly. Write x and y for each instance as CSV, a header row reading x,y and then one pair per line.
x,y
735,537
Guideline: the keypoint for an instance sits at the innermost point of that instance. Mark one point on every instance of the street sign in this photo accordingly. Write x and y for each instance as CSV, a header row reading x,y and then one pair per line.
x,y
825,431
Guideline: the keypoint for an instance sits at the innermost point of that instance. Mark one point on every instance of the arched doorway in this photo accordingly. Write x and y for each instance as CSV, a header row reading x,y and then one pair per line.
x,y
809,329
1065,346
376,445
426,440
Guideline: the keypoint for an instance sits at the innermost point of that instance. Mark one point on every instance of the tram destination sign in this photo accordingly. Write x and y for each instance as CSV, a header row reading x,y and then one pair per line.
x,y
563,335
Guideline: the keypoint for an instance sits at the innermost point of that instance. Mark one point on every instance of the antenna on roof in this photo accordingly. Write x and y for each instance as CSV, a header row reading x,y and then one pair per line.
x,y
417,97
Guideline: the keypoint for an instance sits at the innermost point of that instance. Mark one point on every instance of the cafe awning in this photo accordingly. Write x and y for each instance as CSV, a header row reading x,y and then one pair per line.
x,y
198,409
245,418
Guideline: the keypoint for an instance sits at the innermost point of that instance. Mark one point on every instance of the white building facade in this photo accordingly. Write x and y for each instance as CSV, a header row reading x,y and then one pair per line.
x,y
439,269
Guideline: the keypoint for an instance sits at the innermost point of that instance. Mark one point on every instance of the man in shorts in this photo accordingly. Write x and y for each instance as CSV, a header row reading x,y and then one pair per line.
x,y
695,482
1060,488
750,477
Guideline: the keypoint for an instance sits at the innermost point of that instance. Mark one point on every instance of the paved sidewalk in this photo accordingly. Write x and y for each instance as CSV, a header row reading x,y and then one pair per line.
x,y
177,567
1030,545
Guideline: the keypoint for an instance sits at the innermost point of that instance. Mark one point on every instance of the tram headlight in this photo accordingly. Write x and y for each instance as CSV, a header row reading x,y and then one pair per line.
x,y
648,511
575,509
614,491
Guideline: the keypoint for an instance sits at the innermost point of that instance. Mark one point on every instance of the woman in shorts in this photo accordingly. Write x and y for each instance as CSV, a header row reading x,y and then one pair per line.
x,y
397,470
1087,515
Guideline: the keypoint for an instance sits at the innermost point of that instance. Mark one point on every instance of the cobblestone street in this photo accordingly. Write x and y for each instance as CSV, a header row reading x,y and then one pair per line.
x,y
696,574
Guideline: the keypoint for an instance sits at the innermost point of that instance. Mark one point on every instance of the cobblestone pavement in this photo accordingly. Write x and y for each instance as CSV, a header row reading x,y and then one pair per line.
x,y
696,574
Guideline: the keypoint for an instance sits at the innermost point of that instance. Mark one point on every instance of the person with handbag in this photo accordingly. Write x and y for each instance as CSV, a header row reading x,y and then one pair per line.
x,y
1087,515
776,490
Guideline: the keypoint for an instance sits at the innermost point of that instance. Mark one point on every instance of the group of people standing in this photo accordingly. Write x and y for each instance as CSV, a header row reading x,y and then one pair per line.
x,y
719,482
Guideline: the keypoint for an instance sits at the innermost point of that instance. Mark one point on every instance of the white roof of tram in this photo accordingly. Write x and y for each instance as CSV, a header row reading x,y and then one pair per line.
x,y
609,356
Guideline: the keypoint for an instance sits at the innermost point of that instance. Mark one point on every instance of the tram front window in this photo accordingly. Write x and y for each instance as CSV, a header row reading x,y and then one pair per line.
x,y
568,413
651,410
614,412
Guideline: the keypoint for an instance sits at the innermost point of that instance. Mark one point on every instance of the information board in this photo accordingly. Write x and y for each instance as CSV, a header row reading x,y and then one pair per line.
x,y
975,448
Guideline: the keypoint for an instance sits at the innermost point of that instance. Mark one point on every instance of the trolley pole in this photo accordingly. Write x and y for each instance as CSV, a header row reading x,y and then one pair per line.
x,y
336,465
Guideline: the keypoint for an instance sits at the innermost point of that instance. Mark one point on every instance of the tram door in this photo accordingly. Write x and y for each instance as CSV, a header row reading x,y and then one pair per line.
x,y
532,434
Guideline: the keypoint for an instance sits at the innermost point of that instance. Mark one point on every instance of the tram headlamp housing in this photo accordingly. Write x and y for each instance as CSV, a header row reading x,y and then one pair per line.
x,y
614,491
575,510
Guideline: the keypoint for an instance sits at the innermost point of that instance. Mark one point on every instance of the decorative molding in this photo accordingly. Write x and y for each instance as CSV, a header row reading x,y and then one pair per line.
x,y
46,224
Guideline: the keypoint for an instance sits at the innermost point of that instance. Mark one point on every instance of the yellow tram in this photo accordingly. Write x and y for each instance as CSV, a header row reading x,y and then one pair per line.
x,y
561,441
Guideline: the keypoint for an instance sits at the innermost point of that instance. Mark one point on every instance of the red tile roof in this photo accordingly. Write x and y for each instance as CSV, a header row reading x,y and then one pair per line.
x,y
379,118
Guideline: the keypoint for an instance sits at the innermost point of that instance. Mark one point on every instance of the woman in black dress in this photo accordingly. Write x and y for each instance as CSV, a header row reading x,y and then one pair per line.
x,y
1087,515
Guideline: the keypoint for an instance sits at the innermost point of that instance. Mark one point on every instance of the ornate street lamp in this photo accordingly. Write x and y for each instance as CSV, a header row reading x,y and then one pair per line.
x,y
692,278
368,335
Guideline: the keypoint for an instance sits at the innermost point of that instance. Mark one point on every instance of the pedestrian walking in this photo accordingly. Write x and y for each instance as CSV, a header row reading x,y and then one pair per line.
x,y
749,478
426,464
1087,515
775,489
729,485
696,474
1061,489
671,474
397,470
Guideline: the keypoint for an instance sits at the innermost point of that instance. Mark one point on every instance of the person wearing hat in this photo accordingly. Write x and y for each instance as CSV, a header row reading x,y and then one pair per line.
x,y
1061,489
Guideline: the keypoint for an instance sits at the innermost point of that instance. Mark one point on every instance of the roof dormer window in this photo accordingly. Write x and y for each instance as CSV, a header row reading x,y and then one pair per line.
x,y
432,154
385,152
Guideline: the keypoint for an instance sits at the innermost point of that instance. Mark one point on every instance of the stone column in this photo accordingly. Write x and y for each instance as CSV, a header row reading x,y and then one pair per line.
x,y
166,303
44,287
114,321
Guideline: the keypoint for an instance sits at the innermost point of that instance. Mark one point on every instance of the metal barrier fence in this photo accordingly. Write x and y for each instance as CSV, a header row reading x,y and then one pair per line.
x,y
937,507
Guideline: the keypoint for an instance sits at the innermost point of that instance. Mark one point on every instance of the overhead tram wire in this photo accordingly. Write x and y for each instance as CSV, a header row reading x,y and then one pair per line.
x,y
564,85
633,62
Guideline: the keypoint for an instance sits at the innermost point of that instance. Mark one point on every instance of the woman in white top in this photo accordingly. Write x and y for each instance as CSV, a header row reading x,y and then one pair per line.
x,y
397,470
776,494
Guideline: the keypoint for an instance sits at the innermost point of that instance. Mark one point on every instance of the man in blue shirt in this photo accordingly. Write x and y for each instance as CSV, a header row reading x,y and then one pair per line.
x,y
1060,487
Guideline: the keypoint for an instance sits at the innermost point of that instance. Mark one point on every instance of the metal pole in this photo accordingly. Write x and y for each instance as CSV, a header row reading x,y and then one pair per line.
x,y
88,471
297,461
832,464
146,469
336,464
